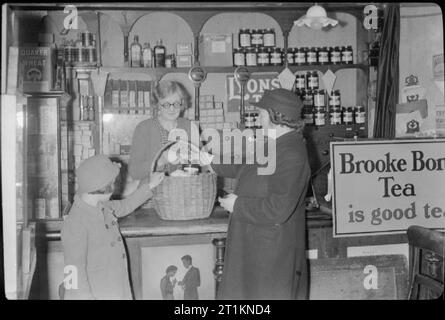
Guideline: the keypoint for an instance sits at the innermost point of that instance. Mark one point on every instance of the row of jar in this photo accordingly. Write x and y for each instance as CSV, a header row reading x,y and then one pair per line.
x,y
320,116
275,56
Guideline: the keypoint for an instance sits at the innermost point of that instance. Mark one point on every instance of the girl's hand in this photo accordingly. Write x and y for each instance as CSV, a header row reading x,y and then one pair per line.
x,y
155,179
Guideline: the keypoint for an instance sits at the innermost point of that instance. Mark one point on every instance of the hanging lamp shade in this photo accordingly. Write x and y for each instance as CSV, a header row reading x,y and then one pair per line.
x,y
315,18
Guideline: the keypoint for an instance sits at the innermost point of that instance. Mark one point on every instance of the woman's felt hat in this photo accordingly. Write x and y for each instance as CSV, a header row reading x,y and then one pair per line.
x,y
95,173
283,101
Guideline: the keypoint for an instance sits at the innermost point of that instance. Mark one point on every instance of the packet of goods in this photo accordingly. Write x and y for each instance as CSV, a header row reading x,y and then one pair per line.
x,y
180,173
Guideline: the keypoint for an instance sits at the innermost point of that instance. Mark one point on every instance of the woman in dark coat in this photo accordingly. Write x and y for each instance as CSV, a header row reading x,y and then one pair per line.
x,y
265,254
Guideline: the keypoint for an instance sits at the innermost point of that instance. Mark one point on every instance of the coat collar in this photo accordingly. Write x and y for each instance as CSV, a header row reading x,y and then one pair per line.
x,y
86,208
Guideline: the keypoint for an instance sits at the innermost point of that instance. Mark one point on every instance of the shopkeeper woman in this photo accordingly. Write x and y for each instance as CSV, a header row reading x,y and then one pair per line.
x,y
171,99
265,249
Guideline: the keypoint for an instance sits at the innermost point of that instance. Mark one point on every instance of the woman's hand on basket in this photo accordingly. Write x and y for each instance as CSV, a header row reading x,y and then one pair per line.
x,y
155,179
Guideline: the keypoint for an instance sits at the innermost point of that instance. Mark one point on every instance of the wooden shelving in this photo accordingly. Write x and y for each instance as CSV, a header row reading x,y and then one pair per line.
x,y
158,73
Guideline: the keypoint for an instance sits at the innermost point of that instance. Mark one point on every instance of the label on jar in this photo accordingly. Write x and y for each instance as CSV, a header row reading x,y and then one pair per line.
x,y
269,39
300,58
311,57
334,100
320,119
323,57
309,118
263,58
360,117
251,59
336,117
275,58
335,57
244,40
257,39
313,82
290,57
319,100
347,56
347,117
240,59
300,83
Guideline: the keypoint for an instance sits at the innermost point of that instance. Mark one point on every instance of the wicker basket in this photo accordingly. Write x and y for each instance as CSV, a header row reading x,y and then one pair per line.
x,y
184,198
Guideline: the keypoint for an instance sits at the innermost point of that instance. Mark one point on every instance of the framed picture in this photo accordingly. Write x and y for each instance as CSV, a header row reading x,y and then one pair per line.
x,y
180,272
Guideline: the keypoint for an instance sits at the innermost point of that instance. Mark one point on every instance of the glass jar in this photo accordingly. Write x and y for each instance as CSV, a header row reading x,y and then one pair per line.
x,y
249,120
263,58
319,99
359,115
276,57
300,56
290,56
308,107
336,54
311,56
312,80
348,115
244,39
257,38
269,37
323,56
320,116
334,99
239,57
335,115
300,82
346,56
251,57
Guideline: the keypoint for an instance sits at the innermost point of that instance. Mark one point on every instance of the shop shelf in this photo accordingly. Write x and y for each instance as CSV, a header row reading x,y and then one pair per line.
x,y
159,72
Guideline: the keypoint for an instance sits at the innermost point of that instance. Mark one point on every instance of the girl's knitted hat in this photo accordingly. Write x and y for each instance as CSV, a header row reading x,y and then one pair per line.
x,y
95,173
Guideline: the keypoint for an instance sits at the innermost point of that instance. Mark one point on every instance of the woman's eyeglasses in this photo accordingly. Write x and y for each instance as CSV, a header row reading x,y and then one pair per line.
x,y
167,105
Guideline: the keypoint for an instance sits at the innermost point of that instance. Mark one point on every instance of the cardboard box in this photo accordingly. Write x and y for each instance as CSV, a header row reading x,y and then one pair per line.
x,y
184,49
184,61
36,66
216,49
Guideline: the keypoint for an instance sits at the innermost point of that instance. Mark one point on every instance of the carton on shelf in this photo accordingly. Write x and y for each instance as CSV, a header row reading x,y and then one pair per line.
x,y
184,61
216,49
184,49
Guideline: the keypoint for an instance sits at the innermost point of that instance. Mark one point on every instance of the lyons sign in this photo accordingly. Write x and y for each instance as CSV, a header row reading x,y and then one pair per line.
x,y
254,89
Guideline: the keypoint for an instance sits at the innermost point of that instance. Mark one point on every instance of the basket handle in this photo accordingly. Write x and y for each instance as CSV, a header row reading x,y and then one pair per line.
x,y
159,153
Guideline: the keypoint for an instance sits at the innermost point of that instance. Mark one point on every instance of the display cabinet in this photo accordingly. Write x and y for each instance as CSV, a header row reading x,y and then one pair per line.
x,y
42,151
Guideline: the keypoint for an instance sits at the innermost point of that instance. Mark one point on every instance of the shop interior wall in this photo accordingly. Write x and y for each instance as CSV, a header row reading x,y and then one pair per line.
x,y
172,30
421,37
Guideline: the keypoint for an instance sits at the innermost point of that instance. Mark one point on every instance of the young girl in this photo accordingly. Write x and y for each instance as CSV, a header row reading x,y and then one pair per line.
x,y
92,243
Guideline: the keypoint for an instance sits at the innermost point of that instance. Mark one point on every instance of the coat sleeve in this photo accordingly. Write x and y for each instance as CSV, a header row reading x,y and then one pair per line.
x,y
226,170
74,242
286,187
128,205
139,163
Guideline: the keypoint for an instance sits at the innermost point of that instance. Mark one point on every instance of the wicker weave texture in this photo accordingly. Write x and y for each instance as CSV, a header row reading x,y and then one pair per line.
x,y
184,198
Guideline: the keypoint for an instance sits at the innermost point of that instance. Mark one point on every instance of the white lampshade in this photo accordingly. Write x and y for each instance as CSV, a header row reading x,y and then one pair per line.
x,y
315,18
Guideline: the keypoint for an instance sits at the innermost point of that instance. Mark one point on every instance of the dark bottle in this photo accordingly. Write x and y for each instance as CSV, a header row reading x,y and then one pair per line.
x,y
159,55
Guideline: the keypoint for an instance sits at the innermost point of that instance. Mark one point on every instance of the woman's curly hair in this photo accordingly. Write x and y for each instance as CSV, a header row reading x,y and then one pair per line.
x,y
280,119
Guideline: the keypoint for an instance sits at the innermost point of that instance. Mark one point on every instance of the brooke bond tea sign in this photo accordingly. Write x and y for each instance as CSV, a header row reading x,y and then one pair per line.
x,y
383,187
35,65
254,89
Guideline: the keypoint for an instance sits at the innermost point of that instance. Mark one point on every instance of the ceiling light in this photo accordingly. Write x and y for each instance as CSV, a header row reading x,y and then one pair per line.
x,y
315,18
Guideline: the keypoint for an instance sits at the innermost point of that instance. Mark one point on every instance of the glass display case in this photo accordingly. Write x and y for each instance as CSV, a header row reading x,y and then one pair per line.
x,y
42,154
